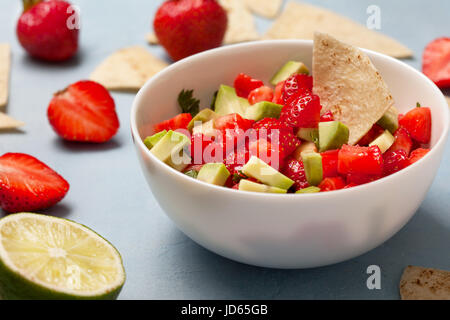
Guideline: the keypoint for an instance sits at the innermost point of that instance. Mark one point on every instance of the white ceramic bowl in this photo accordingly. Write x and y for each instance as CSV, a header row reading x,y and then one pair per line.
x,y
283,231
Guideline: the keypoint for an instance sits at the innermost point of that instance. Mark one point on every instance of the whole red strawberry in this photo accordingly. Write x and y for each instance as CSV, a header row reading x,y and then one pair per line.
x,y
27,184
85,112
186,27
48,30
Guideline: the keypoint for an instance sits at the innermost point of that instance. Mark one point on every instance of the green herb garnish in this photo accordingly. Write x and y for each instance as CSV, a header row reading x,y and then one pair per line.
x,y
188,103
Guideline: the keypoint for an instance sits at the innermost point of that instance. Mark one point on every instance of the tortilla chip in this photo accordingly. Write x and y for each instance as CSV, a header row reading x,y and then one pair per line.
x,y
349,85
152,39
5,65
419,283
300,21
241,24
8,123
127,69
264,8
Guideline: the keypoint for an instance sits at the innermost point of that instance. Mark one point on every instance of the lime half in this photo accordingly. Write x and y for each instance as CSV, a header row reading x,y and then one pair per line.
x,y
44,257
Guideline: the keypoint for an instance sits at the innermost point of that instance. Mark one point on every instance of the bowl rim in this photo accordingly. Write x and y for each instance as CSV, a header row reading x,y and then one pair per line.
x,y
137,139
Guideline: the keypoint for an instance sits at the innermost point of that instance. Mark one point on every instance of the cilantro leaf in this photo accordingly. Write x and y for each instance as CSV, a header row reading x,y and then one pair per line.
x,y
188,103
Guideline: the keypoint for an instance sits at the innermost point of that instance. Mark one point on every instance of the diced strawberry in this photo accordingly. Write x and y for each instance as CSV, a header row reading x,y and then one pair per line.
x,y
267,152
27,184
244,84
260,94
330,184
436,62
373,133
198,144
302,111
278,94
276,130
350,185
85,112
394,161
356,179
330,163
417,154
295,170
297,84
327,117
402,141
360,160
180,121
418,123
232,121
236,160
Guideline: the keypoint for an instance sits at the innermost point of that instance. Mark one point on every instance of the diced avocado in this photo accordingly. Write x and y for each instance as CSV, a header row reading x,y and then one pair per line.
x,y
245,185
170,150
384,141
332,135
389,120
306,146
214,173
263,110
309,190
227,102
290,68
313,167
309,134
151,141
201,117
258,169
207,129
192,174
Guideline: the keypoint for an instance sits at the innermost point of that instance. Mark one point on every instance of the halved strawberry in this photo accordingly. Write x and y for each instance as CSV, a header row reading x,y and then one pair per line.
x,y
402,141
330,163
360,160
302,111
244,84
436,62
295,170
297,84
417,154
394,161
418,123
27,184
330,184
260,94
180,121
84,111
373,133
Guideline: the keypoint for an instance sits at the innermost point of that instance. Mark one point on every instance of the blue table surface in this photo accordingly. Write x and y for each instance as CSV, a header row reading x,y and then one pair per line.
x,y
109,194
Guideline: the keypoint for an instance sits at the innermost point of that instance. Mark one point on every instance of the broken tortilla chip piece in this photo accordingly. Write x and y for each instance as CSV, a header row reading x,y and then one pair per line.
x,y
152,38
8,123
300,21
241,24
127,69
5,65
264,8
418,283
349,85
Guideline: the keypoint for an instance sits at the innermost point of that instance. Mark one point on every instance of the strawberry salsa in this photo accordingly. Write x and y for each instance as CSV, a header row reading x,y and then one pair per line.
x,y
276,138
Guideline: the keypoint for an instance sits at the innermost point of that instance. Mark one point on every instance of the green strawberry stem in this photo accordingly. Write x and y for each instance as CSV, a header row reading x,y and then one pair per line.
x,y
28,4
